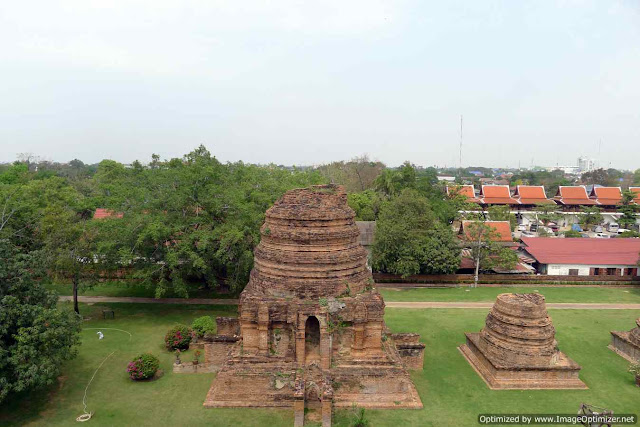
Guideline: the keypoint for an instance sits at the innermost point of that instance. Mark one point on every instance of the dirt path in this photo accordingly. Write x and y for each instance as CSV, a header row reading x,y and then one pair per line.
x,y
391,304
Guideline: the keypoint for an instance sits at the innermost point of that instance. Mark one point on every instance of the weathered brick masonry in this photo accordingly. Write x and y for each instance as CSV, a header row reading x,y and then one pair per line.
x,y
311,326
517,348
627,343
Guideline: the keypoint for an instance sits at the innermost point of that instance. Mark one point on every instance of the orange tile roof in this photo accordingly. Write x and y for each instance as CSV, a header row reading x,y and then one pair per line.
x,y
531,195
101,213
574,195
502,228
607,195
497,195
637,191
463,190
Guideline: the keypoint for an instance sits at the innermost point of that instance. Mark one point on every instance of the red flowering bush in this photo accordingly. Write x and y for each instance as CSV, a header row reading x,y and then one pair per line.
x,y
178,337
143,367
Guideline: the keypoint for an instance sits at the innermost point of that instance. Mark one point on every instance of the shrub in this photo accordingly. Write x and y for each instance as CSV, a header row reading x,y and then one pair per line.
x,y
359,419
178,337
572,233
203,325
635,369
143,367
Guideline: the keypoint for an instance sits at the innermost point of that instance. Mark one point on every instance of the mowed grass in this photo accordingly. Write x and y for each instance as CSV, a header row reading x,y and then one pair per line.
x,y
451,391
575,294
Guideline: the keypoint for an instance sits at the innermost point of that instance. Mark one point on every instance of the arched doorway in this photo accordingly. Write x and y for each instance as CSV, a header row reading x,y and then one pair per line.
x,y
312,340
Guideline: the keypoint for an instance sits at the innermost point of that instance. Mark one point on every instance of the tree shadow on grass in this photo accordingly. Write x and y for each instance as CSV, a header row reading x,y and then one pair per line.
x,y
26,407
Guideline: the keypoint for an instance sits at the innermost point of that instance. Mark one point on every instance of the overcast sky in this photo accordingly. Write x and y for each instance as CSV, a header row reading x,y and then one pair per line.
x,y
307,82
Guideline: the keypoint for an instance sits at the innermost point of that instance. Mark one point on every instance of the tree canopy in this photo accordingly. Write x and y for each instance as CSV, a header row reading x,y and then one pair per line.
x,y
410,239
35,336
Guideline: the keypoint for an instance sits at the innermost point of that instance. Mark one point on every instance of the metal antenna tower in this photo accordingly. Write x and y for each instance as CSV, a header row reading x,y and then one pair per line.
x,y
460,142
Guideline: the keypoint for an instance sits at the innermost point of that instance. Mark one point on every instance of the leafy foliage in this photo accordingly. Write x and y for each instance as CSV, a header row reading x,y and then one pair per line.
x,y
178,337
628,209
572,234
360,418
410,240
503,213
203,325
604,177
590,216
143,367
35,336
366,205
486,252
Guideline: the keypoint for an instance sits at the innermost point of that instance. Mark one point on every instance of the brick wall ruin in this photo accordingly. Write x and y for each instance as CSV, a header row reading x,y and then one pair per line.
x,y
310,326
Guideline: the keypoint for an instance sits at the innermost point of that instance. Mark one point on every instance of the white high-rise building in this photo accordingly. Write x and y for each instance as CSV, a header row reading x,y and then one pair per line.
x,y
586,164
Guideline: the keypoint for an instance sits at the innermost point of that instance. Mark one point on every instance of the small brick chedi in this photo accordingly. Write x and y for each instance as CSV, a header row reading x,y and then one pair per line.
x,y
517,349
310,331
627,344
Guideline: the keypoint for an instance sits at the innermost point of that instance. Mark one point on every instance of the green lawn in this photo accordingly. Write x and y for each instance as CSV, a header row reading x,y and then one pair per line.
x,y
451,391
552,294
124,289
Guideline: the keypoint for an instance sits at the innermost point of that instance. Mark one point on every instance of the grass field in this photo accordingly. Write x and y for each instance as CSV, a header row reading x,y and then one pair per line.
x,y
552,294
461,294
452,393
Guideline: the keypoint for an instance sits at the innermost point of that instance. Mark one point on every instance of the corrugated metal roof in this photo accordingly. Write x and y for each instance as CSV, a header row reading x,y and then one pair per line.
x,y
583,251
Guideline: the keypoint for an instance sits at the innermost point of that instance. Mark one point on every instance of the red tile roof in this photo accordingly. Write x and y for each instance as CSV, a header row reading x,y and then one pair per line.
x,y
637,191
502,228
101,213
497,195
581,251
574,195
607,195
463,190
531,195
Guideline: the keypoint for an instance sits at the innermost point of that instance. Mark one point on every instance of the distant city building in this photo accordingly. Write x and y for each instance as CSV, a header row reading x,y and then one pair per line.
x,y
570,170
586,164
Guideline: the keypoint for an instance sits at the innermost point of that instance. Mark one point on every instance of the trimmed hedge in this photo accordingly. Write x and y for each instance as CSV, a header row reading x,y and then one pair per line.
x,y
203,325
143,367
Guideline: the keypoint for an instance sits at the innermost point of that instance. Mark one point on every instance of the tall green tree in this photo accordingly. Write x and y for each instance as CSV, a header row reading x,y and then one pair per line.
x,y
591,215
35,336
486,250
628,209
191,219
70,250
409,239
547,212
502,213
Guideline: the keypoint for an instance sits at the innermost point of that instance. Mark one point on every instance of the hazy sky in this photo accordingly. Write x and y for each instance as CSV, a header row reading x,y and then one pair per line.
x,y
306,82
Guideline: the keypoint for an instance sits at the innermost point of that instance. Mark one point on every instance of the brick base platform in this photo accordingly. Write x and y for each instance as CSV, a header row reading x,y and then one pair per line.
x,y
562,375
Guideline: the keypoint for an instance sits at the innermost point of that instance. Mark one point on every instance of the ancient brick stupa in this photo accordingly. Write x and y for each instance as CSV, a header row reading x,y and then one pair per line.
x,y
311,330
517,348
627,344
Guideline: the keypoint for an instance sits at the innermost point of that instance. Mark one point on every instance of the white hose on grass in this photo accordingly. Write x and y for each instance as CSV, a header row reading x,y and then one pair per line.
x,y
87,415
